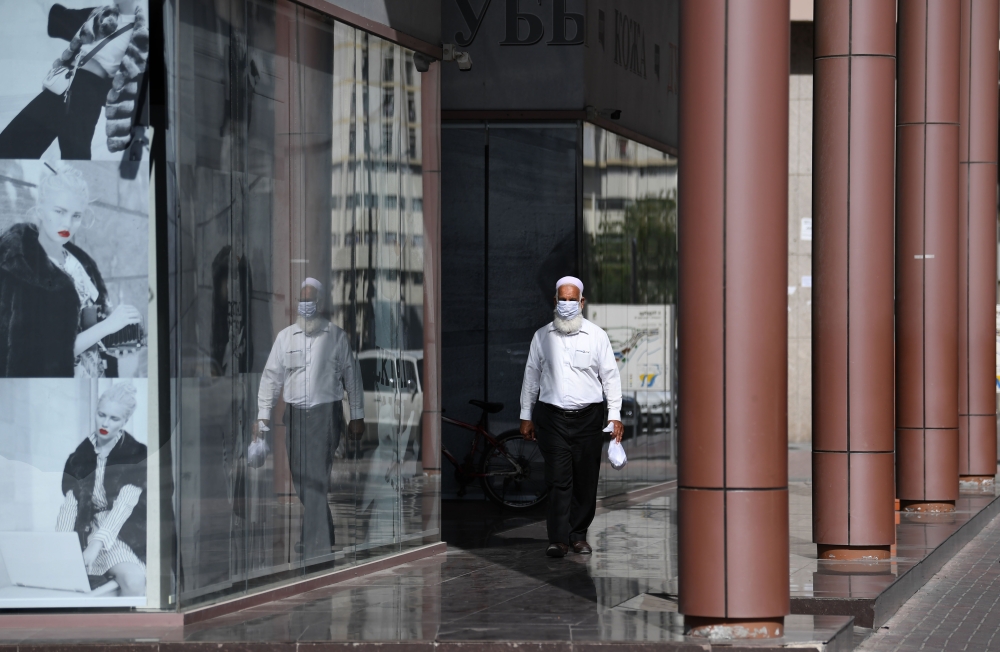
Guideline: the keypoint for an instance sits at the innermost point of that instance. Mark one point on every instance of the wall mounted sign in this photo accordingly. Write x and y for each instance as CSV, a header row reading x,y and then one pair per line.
x,y
517,68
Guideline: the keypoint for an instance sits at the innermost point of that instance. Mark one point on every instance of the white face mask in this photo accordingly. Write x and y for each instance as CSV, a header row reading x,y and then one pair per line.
x,y
567,309
307,308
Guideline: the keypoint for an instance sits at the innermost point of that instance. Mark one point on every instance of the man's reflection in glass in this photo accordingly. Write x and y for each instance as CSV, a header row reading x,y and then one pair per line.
x,y
313,361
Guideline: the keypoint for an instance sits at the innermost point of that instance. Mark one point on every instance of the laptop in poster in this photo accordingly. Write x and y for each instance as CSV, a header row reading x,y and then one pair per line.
x,y
43,560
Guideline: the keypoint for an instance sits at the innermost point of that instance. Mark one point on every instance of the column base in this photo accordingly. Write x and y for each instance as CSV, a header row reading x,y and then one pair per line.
x,y
976,484
927,507
853,560
724,629
852,553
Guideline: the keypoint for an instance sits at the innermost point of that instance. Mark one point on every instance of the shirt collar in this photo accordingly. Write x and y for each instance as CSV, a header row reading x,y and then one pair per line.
x,y
93,440
324,329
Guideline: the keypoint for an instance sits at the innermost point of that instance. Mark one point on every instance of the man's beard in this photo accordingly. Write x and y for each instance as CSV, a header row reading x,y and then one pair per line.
x,y
310,324
567,326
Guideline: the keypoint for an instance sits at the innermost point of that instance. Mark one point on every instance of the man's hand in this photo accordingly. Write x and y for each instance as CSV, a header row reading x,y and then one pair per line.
x,y
256,427
392,474
528,430
356,427
618,430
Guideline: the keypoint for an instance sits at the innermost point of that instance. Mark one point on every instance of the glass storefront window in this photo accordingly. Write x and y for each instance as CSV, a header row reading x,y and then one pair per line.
x,y
299,298
629,261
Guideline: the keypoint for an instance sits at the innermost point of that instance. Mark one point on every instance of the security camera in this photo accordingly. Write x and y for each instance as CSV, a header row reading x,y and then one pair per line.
x,y
422,62
593,113
450,53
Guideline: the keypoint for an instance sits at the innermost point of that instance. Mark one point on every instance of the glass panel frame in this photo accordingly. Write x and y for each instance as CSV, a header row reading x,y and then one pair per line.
x,y
291,166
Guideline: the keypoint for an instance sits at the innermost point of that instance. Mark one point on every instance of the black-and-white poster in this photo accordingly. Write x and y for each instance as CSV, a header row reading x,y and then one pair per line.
x,y
73,492
74,269
74,394
72,76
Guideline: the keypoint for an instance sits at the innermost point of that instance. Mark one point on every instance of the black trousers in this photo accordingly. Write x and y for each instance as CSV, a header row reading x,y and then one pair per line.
x,y
48,117
571,444
313,436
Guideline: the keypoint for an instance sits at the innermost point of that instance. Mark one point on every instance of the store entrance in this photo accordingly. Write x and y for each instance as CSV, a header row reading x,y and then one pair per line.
x,y
523,205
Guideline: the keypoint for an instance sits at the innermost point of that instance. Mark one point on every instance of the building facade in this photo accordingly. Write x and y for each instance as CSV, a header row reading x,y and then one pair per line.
x,y
204,201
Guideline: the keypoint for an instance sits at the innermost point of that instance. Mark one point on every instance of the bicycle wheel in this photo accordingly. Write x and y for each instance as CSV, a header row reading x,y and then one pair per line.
x,y
503,482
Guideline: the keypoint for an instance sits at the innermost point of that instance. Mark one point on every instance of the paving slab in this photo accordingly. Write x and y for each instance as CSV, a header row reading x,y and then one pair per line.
x,y
871,592
957,609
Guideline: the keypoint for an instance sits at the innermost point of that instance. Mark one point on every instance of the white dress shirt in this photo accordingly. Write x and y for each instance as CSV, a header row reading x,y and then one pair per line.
x,y
571,371
314,369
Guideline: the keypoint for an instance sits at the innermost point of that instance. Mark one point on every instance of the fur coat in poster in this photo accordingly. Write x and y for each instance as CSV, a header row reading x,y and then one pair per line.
x,y
126,465
39,307
99,23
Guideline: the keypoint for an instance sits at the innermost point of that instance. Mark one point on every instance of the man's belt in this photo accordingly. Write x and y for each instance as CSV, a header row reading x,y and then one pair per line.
x,y
571,413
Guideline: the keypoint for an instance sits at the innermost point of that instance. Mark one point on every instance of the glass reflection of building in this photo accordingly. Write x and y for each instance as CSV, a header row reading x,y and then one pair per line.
x,y
298,154
630,260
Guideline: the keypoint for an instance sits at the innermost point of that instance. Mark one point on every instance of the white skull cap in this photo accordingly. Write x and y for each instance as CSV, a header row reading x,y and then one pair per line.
x,y
316,284
570,280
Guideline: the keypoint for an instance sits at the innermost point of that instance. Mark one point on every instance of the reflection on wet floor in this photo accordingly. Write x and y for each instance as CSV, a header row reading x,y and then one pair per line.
x,y
495,583
917,535
224,559
498,586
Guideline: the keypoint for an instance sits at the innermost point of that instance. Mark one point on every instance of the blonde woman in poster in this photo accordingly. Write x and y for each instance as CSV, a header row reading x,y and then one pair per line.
x,y
52,291
104,484
100,69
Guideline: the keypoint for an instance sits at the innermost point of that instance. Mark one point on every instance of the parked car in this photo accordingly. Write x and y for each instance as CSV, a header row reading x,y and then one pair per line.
x,y
394,397
631,416
656,408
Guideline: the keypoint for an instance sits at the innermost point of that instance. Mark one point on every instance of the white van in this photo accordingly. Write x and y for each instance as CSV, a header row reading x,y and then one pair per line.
x,y
393,393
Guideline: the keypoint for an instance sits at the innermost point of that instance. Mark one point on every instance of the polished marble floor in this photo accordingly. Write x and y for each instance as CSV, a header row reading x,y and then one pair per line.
x,y
499,587
916,536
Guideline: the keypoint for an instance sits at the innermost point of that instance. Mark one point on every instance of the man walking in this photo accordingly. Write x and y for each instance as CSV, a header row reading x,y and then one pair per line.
x,y
571,371
313,361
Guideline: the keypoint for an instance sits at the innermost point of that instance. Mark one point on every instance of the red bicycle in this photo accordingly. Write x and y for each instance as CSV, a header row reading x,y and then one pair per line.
x,y
511,469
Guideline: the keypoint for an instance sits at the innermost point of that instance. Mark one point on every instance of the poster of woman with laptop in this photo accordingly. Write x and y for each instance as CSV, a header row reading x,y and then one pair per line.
x,y
75,304
73,482
86,75
104,484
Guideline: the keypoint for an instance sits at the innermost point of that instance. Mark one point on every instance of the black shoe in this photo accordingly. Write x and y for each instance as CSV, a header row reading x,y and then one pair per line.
x,y
557,550
582,547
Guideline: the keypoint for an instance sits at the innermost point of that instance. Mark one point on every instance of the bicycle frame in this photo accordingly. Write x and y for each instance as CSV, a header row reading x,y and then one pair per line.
x,y
480,431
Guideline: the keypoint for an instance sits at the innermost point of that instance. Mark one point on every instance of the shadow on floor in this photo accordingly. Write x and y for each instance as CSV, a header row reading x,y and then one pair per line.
x,y
473,524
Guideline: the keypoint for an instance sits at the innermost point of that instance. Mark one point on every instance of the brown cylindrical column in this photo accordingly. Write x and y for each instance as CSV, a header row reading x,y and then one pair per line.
x,y
927,254
733,194
853,188
977,253
430,118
